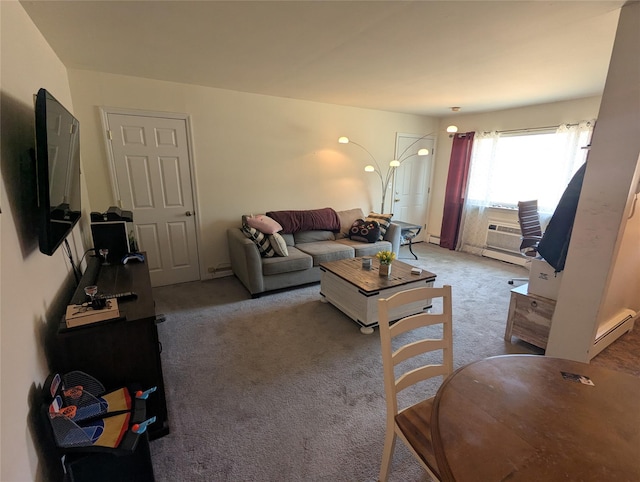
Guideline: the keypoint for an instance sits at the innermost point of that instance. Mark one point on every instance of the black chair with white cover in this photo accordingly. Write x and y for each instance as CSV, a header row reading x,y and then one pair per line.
x,y
531,231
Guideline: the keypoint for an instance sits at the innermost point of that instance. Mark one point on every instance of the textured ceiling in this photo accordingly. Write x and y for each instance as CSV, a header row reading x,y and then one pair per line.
x,y
418,57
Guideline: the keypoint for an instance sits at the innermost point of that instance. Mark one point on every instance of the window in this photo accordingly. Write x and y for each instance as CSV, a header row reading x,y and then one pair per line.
x,y
516,166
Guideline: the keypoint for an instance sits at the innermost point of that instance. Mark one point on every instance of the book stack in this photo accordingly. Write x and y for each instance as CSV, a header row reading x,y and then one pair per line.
x,y
79,315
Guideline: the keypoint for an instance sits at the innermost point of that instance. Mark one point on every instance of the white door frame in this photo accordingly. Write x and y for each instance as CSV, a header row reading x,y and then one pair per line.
x,y
105,111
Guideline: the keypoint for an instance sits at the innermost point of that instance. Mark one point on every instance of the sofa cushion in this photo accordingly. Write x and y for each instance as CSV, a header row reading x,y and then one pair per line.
x,y
313,236
288,238
296,261
347,218
366,249
278,244
365,231
260,239
383,219
323,251
263,223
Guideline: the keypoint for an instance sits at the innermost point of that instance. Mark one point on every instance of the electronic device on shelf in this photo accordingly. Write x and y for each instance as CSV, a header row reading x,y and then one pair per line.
x,y
111,234
114,213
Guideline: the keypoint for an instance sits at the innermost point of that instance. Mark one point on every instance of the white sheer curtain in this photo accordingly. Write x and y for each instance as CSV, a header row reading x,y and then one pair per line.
x,y
507,167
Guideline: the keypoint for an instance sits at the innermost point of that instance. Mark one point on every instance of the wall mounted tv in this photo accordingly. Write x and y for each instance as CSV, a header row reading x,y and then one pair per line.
x,y
57,171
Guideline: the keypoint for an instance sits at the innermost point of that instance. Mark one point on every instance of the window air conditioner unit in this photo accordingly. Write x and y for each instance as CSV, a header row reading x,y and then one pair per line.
x,y
505,237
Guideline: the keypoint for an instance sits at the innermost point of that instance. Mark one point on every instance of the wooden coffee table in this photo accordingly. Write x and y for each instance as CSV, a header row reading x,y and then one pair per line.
x,y
355,291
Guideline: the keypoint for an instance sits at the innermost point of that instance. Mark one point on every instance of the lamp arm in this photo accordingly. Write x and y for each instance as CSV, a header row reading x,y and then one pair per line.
x,y
385,181
408,157
389,177
370,155
377,171
385,186
411,145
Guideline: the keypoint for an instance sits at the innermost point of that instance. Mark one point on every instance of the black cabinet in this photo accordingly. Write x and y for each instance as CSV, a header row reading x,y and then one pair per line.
x,y
106,467
122,351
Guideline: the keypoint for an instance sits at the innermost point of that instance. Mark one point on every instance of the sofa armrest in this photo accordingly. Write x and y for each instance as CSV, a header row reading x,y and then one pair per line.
x,y
393,236
246,261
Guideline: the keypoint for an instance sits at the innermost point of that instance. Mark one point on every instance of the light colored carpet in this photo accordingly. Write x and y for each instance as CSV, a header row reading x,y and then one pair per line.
x,y
286,388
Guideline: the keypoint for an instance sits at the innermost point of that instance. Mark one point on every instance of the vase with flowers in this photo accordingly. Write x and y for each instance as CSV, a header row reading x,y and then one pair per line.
x,y
386,258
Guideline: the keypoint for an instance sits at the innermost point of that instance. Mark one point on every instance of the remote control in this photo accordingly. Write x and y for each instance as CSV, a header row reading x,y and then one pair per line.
x,y
122,296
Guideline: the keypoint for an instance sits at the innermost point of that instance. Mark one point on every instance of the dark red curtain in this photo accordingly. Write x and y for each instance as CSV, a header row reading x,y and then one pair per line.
x,y
456,187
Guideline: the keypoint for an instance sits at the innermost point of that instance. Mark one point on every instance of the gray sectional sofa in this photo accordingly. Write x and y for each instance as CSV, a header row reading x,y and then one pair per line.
x,y
306,250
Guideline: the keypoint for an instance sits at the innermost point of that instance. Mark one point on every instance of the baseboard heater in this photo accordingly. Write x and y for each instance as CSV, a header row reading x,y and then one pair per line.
x,y
612,329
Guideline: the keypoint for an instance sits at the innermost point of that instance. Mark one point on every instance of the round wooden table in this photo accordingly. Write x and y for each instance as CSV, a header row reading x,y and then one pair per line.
x,y
534,418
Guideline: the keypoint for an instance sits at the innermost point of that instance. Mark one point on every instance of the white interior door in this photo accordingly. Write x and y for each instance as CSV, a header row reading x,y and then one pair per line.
x,y
412,181
152,176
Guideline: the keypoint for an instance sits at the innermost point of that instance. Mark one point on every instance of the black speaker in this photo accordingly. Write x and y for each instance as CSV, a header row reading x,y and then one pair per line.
x,y
111,235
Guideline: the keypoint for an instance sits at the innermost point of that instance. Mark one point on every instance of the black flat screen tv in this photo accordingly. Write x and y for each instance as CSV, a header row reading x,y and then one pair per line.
x,y
57,171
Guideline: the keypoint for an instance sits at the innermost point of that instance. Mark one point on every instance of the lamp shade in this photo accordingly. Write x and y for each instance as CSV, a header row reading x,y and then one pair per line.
x,y
452,129
369,168
343,140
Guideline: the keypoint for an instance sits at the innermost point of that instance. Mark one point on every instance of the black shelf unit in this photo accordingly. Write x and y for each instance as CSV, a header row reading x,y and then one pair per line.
x,y
123,351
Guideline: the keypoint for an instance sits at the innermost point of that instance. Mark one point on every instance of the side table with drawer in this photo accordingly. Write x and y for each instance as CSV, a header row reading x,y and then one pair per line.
x,y
529,317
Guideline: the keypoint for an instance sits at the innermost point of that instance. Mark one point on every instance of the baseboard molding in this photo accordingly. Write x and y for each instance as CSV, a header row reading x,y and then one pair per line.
x,y
221,271
434,239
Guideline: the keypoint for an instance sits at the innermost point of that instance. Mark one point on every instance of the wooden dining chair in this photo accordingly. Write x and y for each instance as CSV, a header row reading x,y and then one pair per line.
x,y
412,424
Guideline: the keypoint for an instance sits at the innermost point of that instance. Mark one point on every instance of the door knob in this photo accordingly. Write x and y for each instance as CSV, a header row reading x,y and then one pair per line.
x,y
188,213
397,200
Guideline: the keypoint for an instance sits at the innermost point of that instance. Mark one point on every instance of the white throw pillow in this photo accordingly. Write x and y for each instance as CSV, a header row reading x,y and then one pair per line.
x,y
278,244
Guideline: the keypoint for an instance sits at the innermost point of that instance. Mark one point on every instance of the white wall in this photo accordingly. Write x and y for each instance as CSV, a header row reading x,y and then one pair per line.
x,y
599,248
253,153
623,289
34,286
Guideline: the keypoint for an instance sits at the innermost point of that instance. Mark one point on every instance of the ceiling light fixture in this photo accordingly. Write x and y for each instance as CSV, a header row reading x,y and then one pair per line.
x,y
452,129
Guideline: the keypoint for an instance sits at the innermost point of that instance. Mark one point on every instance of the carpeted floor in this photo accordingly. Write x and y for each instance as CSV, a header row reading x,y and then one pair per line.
x,y
286,388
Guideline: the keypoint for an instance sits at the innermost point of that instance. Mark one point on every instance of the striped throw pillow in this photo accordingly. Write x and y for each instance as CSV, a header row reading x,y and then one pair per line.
x,y
384,220
260,239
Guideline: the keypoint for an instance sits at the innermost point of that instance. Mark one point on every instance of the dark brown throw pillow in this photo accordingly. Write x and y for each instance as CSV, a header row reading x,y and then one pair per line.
x,y
365,231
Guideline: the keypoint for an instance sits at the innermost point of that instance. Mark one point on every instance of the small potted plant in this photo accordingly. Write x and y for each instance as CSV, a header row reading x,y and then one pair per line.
x,y
386,258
